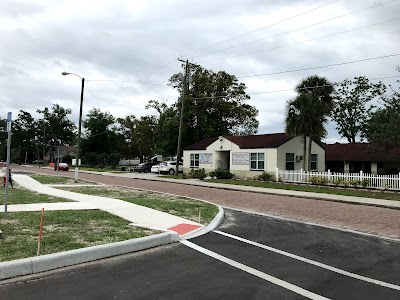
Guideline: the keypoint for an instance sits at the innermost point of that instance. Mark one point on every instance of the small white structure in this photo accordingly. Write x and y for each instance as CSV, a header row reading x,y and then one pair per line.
x,y
247,156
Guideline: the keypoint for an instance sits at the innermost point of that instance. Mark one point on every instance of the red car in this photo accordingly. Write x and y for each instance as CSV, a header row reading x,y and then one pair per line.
x,y
61,167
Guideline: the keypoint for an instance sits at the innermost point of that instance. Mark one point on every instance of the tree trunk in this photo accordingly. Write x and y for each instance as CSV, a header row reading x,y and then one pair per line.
x,y
304,151
309,152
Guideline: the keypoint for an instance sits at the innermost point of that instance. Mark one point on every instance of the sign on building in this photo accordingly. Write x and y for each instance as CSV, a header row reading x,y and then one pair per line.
x,y
206,158
240,158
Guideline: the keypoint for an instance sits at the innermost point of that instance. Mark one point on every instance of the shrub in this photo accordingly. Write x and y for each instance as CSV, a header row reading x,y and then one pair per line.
x,y
354,182
264,176
198,173
318,180
212,174
365,182
223,174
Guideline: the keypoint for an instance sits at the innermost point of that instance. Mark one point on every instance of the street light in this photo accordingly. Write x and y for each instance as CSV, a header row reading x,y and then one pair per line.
x,y
79,124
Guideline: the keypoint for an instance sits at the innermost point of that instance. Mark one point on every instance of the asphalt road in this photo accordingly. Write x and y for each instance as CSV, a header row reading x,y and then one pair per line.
x,y
273,259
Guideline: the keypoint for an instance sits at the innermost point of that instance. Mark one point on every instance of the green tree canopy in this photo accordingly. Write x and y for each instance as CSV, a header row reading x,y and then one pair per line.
x,y
352,110
383,128
100,133
216,104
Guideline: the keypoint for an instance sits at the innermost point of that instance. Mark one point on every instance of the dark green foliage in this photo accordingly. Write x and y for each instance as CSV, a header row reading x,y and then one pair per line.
x,y
198,173
352,109
264,176
221,174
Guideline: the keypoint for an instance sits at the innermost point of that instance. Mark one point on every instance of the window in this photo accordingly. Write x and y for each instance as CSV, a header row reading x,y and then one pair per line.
x,y
314,162
289,161
256,161
194,160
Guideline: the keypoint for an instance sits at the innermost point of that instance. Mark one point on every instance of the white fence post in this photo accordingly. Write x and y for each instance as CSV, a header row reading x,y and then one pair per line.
x,y
361,176
277,174
329,175
301,175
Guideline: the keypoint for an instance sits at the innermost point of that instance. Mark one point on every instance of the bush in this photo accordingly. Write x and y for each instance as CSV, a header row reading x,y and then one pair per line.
x,y
264,176
198,173
223,174
354,182
318,180
365,182
212,174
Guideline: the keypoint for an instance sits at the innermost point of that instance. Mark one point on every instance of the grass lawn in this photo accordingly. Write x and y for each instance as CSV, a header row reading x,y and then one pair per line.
x,y
50,179
19,195
106,169
62,230
315,189
178,206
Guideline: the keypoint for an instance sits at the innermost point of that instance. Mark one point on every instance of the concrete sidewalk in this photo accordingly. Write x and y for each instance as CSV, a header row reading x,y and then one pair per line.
x,y
309,195
174,228
139,215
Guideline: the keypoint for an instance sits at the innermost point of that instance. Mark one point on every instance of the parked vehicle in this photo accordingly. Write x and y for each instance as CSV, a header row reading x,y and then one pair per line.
x,y
155,168
144,167
61,167
38,162
169,167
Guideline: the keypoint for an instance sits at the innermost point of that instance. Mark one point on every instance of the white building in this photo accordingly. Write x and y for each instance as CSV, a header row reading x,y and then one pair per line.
x,y
247,156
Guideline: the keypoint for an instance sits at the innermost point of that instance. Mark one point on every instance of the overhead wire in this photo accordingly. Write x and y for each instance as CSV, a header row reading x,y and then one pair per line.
x,y
262,28
294,30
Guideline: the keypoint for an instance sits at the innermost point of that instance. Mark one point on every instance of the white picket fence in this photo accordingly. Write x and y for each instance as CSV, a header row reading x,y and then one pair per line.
x,y
389,182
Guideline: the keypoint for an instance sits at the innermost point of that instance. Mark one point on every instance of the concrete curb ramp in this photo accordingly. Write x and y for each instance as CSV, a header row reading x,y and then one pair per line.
x,y
32,265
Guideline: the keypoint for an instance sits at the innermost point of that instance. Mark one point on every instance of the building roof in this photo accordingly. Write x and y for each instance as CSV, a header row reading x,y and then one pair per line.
x,y
202,145
359,152
247,142
272,140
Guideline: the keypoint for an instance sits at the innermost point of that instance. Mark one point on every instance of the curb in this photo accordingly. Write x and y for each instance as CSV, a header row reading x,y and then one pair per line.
x,y
28,266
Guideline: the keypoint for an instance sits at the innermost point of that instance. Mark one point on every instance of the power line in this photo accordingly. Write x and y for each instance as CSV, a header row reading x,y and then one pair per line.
x,y
301,42
286,90
320,67
113,80
294,30
270,25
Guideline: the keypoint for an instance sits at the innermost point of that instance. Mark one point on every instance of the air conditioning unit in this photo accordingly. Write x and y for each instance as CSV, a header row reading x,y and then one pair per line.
x,y
299,158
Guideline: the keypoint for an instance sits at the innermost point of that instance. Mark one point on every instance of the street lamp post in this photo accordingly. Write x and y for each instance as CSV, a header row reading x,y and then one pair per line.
x,y
79,125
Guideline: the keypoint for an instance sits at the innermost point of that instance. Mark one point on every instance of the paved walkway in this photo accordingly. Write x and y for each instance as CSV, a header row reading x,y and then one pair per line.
x,y
309,195
139,215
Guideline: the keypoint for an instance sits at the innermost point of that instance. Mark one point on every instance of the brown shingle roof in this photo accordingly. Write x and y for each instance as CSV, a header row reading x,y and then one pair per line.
x,y
359,152
247,142
202,145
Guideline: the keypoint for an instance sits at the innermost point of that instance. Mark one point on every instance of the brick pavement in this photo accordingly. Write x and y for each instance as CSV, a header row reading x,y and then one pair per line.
x,y
368,219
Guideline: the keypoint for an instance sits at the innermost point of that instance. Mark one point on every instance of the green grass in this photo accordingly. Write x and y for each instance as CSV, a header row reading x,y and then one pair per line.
x,y
106,169
178,206
49,179
62,231
19,195
315,189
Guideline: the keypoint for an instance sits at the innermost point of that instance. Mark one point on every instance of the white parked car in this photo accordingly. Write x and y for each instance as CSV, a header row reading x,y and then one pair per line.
x,y
169,167
154,169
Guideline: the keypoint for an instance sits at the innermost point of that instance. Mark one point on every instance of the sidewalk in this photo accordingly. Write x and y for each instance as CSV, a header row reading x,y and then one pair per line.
x,y
139,215
310,195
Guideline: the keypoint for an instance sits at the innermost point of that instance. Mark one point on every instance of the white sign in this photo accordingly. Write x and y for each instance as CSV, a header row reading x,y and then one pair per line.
x,y
74,162
206,158
239,158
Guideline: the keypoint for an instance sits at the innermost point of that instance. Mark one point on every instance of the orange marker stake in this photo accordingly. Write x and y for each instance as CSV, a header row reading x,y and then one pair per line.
x,y
40,232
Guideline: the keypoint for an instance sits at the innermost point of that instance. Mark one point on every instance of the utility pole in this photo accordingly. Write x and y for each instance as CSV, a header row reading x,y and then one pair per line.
x,y
178,151
7,162
44,137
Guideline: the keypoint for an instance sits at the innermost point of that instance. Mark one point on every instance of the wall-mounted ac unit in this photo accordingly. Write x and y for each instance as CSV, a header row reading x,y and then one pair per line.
x,y
299,157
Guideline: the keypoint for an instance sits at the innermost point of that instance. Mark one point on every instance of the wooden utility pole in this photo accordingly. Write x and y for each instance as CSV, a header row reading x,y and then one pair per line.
x,y
178,151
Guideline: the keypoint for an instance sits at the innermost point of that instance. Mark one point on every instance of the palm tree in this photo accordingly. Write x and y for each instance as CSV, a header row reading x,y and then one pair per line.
x,y
307,114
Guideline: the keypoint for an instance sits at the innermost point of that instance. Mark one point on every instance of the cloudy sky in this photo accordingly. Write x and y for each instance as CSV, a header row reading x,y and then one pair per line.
x,y
127,50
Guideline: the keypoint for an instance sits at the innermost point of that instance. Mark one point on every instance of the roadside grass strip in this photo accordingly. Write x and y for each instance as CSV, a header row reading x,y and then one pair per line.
x,y
52,179
255,272
20,195
194,210
374,194
312,262
62,231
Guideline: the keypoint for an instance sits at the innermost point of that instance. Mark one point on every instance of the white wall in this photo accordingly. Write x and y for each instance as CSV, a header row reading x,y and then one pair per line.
x,y
295,146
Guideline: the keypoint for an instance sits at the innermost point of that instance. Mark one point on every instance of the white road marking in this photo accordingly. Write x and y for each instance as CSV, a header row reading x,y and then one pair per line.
x,y
255,272
312,262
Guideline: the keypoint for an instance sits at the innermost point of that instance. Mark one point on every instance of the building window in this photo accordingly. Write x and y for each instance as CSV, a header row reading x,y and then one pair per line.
x,y
257,161
314,162
194,160
289,161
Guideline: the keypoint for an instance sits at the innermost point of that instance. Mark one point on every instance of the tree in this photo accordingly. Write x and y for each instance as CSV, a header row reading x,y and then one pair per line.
x,y
215,105
383,128
23,140
307,114
100,133
351,112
